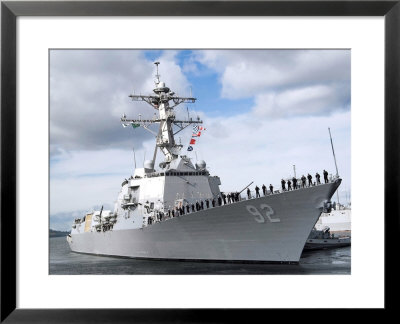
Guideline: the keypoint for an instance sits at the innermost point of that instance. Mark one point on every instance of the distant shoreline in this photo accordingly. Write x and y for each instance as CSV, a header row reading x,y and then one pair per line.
x,y
53,233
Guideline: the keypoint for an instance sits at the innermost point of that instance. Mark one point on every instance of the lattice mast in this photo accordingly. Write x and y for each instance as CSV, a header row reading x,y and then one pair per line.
x,y
166,118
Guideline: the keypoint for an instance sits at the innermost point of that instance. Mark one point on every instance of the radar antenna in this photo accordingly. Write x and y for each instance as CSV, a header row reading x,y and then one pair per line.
x,y
166,118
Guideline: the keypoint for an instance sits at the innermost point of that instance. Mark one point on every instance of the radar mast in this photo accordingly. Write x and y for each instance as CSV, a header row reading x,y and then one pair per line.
x,y
164,101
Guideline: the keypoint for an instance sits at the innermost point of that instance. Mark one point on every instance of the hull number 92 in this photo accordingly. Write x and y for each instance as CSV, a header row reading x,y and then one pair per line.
x,y
263,215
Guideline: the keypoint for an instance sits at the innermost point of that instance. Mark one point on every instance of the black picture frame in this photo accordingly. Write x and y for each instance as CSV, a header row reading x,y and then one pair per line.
x,y
10,10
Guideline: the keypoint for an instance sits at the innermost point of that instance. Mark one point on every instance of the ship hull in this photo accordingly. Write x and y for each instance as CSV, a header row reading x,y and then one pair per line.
x,y
272,228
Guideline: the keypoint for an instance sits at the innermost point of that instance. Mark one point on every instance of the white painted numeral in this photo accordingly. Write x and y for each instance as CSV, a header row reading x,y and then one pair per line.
x,y
269,213
261,218
253,210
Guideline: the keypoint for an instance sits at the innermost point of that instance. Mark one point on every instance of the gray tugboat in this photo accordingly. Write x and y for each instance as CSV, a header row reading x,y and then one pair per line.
x,y
154,215
323,239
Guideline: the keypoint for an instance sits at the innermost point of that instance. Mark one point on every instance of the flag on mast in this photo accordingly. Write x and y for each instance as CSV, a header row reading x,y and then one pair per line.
x,y
196,133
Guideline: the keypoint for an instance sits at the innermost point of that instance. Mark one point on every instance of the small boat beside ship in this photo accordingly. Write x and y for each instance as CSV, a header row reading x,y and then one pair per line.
x,y
338,219
324,239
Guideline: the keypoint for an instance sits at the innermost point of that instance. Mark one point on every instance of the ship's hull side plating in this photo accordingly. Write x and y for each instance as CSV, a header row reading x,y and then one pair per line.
x,y
273,228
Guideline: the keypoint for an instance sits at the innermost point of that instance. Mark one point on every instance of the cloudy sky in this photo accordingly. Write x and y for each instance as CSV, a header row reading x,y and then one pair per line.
x,y
264,111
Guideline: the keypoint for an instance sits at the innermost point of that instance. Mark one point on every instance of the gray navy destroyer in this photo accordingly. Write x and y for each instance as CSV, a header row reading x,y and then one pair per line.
x,y
147,220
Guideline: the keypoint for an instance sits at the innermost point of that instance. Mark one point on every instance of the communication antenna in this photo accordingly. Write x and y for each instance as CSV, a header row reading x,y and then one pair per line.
x,y
157,75
134,156
101,211
294,170
333,151
334,157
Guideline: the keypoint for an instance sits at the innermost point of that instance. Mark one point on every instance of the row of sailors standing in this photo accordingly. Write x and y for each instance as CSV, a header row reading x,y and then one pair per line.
x,y
233,197
222,199
289,184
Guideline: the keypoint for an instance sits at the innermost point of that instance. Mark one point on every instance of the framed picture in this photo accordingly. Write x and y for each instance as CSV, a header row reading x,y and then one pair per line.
x,y
23,186
172,183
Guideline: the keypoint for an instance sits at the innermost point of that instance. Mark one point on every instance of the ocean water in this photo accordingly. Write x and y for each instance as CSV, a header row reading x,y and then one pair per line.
x,y
64,262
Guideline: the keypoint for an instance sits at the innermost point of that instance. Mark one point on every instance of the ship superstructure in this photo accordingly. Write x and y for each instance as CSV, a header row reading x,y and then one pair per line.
x,y
178,212
338,219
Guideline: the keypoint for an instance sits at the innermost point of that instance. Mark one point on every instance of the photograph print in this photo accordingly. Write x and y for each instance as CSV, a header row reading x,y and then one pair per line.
x,y
200,161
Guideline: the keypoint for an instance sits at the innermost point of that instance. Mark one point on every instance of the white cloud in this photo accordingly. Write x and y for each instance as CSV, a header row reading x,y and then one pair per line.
x,y
245,72
82,179
89,93
306,101
258,149
284,82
